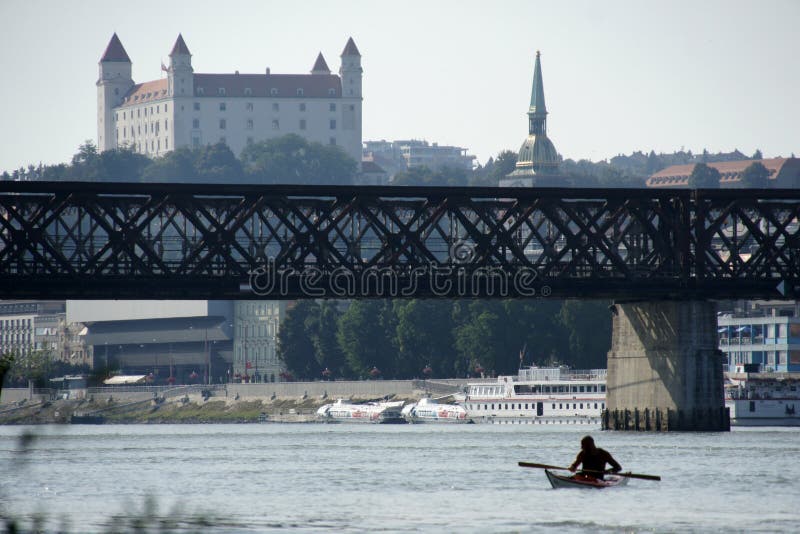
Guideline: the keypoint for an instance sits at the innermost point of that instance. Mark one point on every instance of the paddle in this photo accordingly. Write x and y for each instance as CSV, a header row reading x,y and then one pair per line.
x,y
629,475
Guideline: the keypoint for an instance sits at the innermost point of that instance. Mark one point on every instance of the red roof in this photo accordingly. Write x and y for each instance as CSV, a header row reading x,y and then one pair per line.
x,y
180,47
146,92
320,66
350,48
115,51
261,85
730,172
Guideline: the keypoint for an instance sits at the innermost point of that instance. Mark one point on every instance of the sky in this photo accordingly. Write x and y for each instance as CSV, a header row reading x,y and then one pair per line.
x,y
619,76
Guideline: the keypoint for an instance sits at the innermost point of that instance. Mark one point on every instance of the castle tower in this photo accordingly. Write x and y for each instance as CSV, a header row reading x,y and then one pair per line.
x,y
351,73
320,66
180,72
537,155
113,83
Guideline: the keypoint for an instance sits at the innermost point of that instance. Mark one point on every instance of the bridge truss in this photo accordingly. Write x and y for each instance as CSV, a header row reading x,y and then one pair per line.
x,y
115,240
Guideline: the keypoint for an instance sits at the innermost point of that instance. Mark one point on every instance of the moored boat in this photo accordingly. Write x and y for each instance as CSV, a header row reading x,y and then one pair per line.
x,y
763,399
582,481
539,395
430,411
370,412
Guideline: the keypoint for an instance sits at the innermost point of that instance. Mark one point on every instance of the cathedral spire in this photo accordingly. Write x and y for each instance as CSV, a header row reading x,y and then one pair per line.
x,y
537,92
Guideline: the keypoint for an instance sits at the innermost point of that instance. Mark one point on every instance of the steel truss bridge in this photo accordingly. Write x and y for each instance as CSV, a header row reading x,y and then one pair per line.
x,y
170,241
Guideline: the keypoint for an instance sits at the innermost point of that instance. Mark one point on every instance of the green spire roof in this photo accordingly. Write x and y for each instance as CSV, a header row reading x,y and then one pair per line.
x,y
537,93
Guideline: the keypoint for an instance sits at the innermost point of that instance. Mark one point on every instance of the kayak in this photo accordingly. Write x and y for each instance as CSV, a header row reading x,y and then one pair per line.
x,y
578,481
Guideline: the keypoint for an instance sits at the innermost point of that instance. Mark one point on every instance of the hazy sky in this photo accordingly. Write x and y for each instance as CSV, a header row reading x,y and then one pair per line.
x,y
619,76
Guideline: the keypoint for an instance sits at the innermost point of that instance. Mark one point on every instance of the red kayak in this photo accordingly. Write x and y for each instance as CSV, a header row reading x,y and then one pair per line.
x,y
584,481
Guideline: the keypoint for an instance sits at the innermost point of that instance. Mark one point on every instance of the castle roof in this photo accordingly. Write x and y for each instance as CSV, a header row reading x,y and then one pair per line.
x,y
730,172
275,85
180,47
115,51
350,49
146,92
320,67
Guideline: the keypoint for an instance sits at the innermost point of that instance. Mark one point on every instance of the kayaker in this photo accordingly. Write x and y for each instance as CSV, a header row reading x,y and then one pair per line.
x,y
594,460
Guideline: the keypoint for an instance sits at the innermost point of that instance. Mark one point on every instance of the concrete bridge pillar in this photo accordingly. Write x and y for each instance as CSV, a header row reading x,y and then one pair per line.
x,y
665,368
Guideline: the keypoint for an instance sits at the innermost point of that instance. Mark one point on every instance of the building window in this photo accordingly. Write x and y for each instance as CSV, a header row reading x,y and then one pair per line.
x,y
302,106
165,108
195,123
333,124
221,91
222,106
166,144
331,107
275,124
249,106
139,112
302,124
195,142
249,140
223,140
273,91
200,91
300,91
352,107
249,124
166,124
332,91
197,106
248,91
276,106
222,124
332,140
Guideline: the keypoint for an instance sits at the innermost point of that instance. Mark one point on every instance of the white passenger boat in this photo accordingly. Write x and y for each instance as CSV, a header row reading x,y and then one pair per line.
x,y
763,399
539,396
371,412
430,411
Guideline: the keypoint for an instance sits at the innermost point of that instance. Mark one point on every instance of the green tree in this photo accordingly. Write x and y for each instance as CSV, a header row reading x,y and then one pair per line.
x,y
704,177
217,164
755,176
757,155
292,159
176,166
322,325
424,337
587,324
365,337
295,348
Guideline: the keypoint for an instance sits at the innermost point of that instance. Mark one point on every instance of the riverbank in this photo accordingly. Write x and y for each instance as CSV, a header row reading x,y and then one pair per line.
x,y
195,408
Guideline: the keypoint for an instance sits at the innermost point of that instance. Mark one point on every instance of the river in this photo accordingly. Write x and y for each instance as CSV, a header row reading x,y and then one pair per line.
x,y
391,478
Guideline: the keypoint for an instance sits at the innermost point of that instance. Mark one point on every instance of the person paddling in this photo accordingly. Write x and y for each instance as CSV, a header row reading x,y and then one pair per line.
x,y
594,460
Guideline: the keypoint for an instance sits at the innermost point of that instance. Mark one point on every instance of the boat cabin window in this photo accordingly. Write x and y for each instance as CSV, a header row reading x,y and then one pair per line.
x,y
547,389
602,387
581,389
554,405
560,406
595,405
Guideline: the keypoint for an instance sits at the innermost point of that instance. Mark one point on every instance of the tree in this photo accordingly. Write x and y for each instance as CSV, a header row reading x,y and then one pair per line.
x,y
364,335
322,324
217,164
424,337
176,166
295,348
755,176
292,159
704,177
587,324
757,155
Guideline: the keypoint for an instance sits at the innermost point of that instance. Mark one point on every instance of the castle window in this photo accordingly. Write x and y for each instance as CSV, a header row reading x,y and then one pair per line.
x,y
332,140
222,106
165,108
333,124
302,106
123,115
200,91
222,124
302,124
116,90
249,124
166,144
196,106
249,106
299,91
166,124
275,124
195,142
249,140
221,91
332,91
331,107
273,91
276,106
248,91
145,112
352,107
195,123
159,144
158,109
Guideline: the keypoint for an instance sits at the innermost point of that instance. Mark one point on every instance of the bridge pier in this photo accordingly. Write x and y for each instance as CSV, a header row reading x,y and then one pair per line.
x,y
664,368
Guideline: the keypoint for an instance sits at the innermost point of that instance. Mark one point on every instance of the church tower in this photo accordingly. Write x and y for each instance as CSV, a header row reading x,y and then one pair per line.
x,y
537,155
180,73
113,83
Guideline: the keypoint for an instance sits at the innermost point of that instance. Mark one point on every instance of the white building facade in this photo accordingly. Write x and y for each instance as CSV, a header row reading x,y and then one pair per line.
x,y
189,109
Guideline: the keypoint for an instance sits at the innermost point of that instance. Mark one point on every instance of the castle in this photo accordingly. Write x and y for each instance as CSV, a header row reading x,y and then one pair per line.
x,y
189,109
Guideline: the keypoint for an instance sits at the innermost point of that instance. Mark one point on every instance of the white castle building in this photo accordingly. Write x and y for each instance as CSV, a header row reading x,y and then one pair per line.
x,y
192,109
